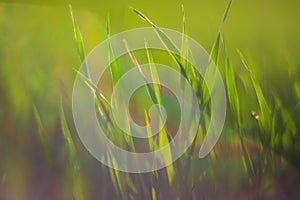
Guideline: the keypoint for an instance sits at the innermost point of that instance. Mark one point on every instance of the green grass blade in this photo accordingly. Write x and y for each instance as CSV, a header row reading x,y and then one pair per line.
x,y
266,115
92,85
173,50
163,140
162,136
76,180
116,178
210,73
186,53
151,141
297,90
184,42
130,184
149,88
153,193
153,72
232,93
114,67
214,55
42,134
225,14
80,44
67,135
288,124
41,130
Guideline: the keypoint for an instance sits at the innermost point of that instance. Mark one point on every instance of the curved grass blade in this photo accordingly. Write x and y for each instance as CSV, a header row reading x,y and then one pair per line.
x,y
92,85
173,50
149,88
100,100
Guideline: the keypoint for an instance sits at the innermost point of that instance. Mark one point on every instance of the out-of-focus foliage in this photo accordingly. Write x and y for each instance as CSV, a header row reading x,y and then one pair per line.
x,y
260,144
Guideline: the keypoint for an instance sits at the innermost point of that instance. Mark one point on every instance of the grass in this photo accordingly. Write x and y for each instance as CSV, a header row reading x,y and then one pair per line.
x,y
274,128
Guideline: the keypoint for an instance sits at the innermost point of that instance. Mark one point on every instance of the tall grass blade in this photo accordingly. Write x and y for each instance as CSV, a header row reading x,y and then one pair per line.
x,y
116,178
80,44
264,108
173,50
42,134
76,180
184,42
210,73
151,140
93,86
153,193
232,93
186,53
297,90
163,138
214,54
149,88
225,14
288,124
114,67
102,102
154,74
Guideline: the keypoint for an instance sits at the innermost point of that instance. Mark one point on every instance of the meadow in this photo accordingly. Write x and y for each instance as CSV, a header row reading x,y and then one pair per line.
x,y
254,46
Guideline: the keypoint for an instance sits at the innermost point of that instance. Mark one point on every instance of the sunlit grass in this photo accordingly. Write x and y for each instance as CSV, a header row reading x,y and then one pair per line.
x,y
183,179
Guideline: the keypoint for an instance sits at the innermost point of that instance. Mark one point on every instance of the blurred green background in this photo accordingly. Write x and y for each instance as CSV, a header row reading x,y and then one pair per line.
x,y
38,54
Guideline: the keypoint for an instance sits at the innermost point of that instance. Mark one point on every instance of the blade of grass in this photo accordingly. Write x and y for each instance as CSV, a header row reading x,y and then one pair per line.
x,y
186,53
153,72
116,178
288,124
69,140
91,85
297,90
102,102
232,93
173,50
211,70
151,140
114,67
80,45
76,179
153,193
163,138
184,42
42,134
149,88
266,117
214,54
225,15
